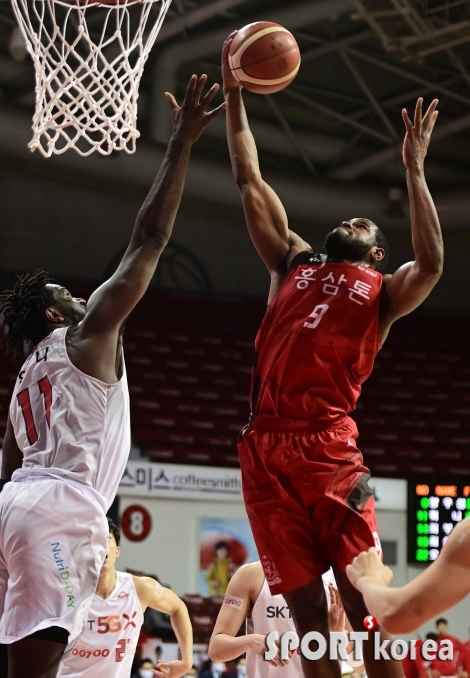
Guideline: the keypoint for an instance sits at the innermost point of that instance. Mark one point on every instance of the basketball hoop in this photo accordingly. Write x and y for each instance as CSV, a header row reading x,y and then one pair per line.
x,y
89,57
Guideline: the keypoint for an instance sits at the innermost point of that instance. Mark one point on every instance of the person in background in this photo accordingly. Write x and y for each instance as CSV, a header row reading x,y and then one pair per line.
x,y
466,655
211,669
241,667
447,667
220,571
145,669
107,646
192,673
416,668
248,599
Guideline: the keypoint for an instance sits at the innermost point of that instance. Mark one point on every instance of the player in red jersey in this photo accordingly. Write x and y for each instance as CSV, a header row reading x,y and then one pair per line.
x,y
304,482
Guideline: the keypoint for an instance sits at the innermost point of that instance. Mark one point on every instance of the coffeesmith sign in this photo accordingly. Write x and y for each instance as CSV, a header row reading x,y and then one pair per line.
x,y
151,479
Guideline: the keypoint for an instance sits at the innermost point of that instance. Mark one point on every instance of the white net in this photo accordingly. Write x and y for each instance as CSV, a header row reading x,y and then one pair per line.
x,y
89,57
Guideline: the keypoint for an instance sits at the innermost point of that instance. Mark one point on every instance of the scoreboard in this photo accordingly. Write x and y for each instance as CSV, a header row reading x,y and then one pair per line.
x,y
435,507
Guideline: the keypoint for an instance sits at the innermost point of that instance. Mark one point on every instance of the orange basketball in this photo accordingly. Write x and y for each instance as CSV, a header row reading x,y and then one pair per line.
x,y
264,57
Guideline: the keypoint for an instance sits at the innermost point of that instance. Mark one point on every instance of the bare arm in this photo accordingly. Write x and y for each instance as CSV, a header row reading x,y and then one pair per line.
x,y
409,286
265,215
224,644
441,586
151,594
12,456
111,303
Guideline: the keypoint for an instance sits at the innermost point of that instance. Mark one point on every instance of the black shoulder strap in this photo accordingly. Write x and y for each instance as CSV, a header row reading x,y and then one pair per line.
x,y
307,258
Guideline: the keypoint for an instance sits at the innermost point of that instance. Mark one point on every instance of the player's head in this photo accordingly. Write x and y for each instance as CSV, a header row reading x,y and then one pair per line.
x,y
34,307
221,549
146,667
442,625
113,550
358,239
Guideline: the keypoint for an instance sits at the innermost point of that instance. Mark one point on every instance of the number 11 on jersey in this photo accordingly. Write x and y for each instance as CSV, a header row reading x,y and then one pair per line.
x,y
317,313
24,401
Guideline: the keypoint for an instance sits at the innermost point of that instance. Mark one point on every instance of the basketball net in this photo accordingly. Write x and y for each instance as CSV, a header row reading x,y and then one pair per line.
x,y
89,58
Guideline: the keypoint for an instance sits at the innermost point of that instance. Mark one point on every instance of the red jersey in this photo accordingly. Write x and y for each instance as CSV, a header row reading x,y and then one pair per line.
x,y
414,668
317,342
465,656
449,667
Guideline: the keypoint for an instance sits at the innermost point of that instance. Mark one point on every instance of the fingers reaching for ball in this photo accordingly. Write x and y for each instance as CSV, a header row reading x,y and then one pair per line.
x,y
229,80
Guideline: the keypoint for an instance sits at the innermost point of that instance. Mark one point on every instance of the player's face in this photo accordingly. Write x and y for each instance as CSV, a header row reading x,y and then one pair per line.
x,y
112,552
72,308
353,240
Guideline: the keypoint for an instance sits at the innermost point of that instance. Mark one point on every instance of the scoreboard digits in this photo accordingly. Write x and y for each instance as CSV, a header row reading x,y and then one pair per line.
x,y
434,509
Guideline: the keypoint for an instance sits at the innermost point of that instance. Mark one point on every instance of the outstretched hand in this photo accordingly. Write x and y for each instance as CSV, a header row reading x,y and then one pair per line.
x,y
336,614
174,669
368,564
229,80
418,134
191,118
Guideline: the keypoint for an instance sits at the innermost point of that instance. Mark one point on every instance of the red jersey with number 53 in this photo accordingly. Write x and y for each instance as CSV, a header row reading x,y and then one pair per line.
x,y
68,424
317,342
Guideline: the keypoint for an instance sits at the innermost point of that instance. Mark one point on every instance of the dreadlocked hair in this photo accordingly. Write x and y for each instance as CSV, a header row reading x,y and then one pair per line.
x,y
23,311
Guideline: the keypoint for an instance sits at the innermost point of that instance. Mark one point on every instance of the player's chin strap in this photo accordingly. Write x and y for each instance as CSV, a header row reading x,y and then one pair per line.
x,y
2,484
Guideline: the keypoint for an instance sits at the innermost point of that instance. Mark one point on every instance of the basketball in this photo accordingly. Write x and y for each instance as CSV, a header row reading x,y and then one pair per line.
x,y
264,57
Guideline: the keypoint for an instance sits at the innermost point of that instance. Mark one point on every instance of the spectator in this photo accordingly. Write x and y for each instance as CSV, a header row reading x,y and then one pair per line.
x,y
212,670
415,668
446,667
241,667
192,673
158,654
465,660
145,669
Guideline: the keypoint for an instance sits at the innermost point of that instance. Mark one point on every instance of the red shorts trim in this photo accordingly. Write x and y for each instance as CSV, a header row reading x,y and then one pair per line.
x,y
308,501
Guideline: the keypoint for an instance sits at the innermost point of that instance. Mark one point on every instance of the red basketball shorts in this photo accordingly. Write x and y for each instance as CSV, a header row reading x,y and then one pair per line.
x,y
307,498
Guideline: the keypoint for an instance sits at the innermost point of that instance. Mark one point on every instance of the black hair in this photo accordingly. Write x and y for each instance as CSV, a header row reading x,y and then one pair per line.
x,y
114,530
144,660
441,620
222,545
23,311
381,241
431,636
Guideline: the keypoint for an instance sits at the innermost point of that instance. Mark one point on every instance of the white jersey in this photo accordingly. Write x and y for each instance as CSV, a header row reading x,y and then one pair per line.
x,y
68,424
107,647
271,613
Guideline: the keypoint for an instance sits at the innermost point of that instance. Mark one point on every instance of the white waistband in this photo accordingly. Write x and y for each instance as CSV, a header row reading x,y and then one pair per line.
x,y
29,475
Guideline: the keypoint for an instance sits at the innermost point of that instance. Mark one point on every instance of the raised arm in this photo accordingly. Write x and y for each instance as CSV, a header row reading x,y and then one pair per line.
x,y
265,215
441,586
409,286
108,307
152,594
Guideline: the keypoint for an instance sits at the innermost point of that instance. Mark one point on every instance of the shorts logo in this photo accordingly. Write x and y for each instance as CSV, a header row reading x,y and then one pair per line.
x,y
63,573
270,571
377,543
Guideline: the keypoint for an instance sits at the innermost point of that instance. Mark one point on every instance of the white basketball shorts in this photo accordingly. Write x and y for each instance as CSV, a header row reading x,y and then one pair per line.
x,y
53,541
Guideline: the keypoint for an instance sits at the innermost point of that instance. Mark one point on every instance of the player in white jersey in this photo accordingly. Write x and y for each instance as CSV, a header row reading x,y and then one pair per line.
x,y
106,648
248,597
67,435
